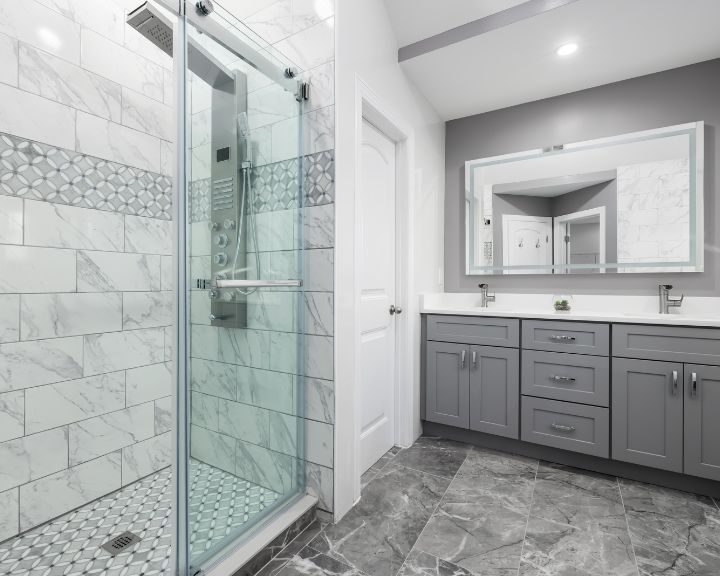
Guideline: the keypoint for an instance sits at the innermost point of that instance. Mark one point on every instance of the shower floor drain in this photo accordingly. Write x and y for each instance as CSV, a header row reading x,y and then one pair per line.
x,y
121,543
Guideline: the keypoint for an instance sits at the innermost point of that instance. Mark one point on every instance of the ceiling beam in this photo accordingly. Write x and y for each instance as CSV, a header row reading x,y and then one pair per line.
x,y
478,27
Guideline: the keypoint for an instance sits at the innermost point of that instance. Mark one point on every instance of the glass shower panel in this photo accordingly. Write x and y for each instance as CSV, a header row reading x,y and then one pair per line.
x,y
245,299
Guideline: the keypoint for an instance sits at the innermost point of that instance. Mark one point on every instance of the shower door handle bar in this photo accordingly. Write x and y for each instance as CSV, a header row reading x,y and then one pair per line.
x,y
257,283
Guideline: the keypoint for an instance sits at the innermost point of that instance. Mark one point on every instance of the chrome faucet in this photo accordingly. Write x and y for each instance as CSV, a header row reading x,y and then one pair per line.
x,y
485,297
667,301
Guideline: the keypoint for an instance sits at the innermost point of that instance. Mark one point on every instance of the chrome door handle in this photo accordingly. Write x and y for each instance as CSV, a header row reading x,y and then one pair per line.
x,y
675,383
474,358
562,338
462,359
562,378
562,427
694,389
218,283
395,310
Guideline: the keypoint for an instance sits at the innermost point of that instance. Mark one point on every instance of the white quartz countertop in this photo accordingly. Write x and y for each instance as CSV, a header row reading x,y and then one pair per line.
x,y
702,312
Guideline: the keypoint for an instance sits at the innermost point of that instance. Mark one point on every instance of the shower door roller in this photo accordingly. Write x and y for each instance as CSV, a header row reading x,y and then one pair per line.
x,y
395,310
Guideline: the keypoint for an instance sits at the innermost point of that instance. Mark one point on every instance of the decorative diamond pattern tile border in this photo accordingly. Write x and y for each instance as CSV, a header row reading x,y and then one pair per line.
x,y
70,545
38,171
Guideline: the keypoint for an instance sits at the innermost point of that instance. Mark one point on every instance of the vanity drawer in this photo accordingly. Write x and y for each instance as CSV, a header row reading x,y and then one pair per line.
x,y
474,330
568,426
564,336
569,377
669,343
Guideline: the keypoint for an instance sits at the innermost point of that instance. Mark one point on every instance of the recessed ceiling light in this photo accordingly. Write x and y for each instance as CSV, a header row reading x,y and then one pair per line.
x,y
567,49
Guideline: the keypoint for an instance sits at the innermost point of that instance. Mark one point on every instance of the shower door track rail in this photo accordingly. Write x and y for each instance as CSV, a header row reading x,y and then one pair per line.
x,y
256,283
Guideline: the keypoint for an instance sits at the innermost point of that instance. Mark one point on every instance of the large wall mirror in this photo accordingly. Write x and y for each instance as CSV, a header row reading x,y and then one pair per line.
x,y
630,203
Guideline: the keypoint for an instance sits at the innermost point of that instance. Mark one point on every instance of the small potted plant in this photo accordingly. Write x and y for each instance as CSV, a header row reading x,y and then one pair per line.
x,y
562,303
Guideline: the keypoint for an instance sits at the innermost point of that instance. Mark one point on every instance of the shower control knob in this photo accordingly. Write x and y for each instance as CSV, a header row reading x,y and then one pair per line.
x,y
213,294
214,226
221,240
229,224
220,259
221,276
230,296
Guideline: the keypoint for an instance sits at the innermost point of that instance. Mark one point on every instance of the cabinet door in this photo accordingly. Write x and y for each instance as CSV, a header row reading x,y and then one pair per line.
x,y
495,390
447,384
702,421
647,413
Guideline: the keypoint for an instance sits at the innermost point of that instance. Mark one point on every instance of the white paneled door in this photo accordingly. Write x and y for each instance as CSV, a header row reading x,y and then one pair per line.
x,y
377,295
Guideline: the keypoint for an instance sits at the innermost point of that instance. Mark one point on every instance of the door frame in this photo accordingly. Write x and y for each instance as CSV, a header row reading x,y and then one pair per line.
x,y
369,106
559,221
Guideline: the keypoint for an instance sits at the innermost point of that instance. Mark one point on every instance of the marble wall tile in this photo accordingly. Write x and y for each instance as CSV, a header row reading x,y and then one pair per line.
x,y
61,492
200,307
65,402
9,318
61,36
167,273
120,350
57,315
59,80
58,226
272,311
261,145
146,457
110,432
148,383
319,313
121,65
200,242
319,270
319,357
322,86
204,342
11,220
28,270
9,513
265,389
284,433
319,483
100,137
106,18
319,226
319,130
244,347
167,158
245,422
275,230
49,122
28,364
148,235
269,105
265,467
147,115
307,13
170,337
12,415
319,443
147,309
112,271
320,400
214,378
213,448
32,457
272,23
9,57
163,415
200,125
284,139
200,163
312,46
204,411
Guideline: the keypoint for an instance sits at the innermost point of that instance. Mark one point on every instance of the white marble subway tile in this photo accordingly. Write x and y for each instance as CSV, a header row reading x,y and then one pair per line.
x,y
319,313
167,273
322,86
66,402
58,80
163,415
272,311
148,383
269,105
213,448
99,137
284,139
59,226
32,456
244,347
121,65
319,483
307,13
243,9
266,389
281,265
319,357
284,352
169,88
9,513
41,27
147,115
57,315
320,400
106,18
9,318
12,415
112,271
200,241
63,491
50,122
213,378
283,433
261,145
30,270
319,443
121,350
200,124
319,271
204,342
28,364
147,309
146,457
319,130
11,220
148,235
169,333
200,159
276,230
272,23
204,411
312,46
167,158
244,422
319,226
9,58
200,307
265,467
105,434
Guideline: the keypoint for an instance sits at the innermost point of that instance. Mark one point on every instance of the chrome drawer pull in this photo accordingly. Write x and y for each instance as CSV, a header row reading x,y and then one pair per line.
x,y
562,378
474,358
675,382
462,359
694,390
562,427
562,338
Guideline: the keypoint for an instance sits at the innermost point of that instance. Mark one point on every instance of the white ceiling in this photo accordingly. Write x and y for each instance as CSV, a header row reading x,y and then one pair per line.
x,y
618,39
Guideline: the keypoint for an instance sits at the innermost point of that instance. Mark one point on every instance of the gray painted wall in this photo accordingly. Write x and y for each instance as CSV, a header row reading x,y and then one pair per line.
x,y
687,94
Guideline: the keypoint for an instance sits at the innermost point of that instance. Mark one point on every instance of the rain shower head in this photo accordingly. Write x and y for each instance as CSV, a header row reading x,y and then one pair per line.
x,y
149,21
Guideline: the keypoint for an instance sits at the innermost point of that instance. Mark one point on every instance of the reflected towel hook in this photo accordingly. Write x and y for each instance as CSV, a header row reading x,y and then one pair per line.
x,y
538,243
521,243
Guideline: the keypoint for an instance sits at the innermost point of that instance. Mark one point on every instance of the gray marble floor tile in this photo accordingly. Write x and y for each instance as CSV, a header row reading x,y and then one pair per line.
x,y
275,565
376,536
674,533
434,456
371,472
309,562
421,564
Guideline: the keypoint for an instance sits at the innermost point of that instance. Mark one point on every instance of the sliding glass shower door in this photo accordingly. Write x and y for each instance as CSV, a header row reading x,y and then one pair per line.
x,y
239,437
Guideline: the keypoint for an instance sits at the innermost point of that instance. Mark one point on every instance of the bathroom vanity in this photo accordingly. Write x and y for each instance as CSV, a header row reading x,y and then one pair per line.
x,y
628,395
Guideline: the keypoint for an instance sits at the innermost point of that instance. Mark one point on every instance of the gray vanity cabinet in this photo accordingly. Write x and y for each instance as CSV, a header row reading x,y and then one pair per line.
x,y
702,421
647,413
495,390
447,384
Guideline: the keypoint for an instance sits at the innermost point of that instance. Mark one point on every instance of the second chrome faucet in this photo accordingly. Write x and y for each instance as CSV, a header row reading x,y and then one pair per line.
x,y
484,296
666,301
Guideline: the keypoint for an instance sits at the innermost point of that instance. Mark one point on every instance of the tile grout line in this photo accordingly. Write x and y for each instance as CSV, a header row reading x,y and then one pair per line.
x,y
627,524
527,522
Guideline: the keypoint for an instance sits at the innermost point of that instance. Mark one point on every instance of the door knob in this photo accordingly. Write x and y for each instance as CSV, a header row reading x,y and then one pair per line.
x,y
395,310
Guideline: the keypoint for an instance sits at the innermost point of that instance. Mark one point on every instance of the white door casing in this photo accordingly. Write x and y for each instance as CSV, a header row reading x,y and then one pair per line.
x,y
377,294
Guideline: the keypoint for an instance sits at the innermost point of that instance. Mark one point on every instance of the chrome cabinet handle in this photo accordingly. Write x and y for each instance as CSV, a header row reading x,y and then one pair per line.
x,y
675,383
462,359
694,389
562,378
562,427
474,358
562,338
